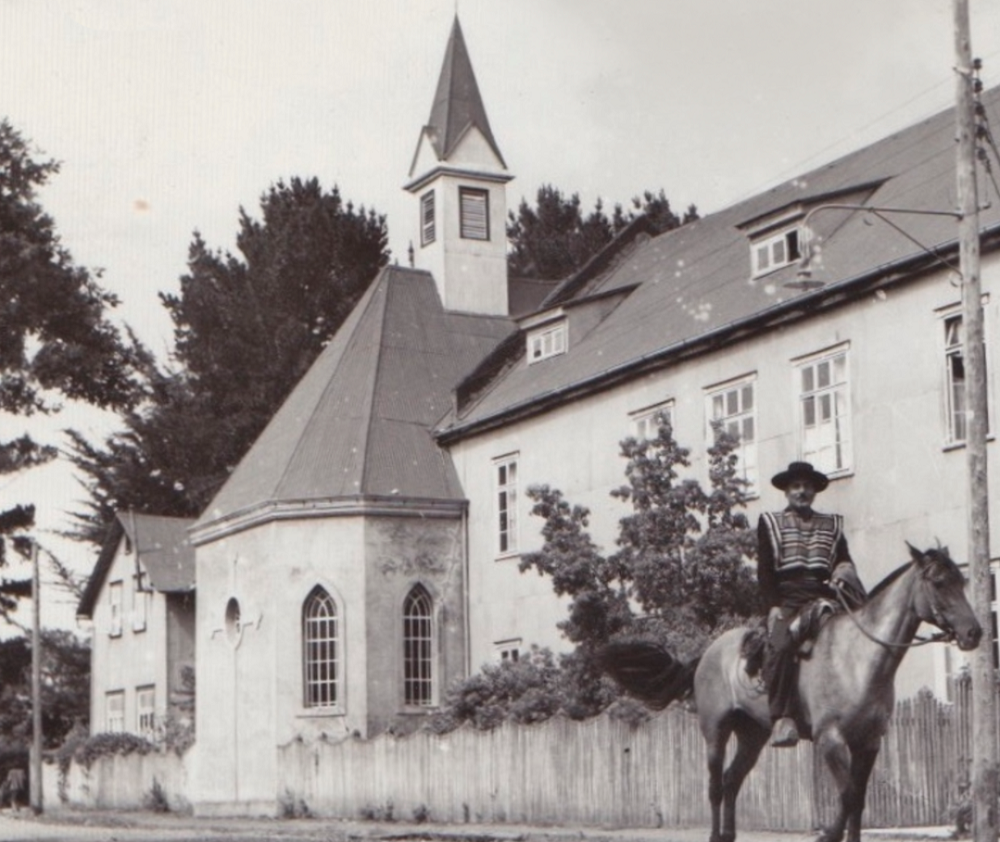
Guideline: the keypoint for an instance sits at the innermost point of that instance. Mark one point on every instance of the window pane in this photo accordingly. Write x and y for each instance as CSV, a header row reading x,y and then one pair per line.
x,y
807,379
809,412
732,402
747,394
823,374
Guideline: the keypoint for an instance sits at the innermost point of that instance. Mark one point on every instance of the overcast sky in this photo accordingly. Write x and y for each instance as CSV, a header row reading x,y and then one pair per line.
x,y
168,115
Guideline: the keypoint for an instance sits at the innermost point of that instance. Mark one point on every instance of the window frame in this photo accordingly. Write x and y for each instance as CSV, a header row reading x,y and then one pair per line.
x,y
419,650
505,500
114,714
956,350
148,711
428,218
115,608
141,598
789,239
508,650
640,420
557,337
747,453
465,230
322,677
840,409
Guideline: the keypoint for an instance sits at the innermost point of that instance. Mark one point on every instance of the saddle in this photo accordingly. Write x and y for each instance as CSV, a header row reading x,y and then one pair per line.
x,y
803,629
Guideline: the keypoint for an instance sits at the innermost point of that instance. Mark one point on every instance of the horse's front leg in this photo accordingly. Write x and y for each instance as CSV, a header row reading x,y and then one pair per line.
x,y
862,761
838,758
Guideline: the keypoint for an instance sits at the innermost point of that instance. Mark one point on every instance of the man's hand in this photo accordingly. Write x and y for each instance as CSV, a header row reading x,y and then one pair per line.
x,y
772,617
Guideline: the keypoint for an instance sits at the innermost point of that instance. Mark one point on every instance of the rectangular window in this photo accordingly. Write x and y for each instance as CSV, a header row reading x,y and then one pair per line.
x,y
140,601
427,229
776,251
114,712
506,504
508,651
645,422
547,342
825,412
474,213
954,361
115,609
734,407
145,710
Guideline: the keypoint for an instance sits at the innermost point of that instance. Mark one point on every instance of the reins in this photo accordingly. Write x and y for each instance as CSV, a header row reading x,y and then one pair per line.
x,y
919,641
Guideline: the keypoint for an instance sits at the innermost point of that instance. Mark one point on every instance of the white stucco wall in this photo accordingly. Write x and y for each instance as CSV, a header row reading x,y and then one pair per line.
x,y
250,680
132,659
905,483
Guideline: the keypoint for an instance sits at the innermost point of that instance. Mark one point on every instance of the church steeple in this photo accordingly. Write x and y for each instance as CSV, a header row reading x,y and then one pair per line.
x,y
457,102
458,176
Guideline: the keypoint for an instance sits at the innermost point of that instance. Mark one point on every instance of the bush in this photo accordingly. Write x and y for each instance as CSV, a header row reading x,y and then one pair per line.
x,y
156,799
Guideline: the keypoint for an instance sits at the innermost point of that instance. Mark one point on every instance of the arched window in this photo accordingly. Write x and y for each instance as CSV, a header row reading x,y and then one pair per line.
x,y
321,650
418,648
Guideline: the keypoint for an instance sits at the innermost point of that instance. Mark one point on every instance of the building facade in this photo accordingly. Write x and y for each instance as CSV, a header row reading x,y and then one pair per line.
x,y
140,605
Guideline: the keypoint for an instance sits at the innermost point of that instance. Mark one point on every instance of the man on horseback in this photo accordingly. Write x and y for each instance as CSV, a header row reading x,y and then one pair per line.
x,y
802,557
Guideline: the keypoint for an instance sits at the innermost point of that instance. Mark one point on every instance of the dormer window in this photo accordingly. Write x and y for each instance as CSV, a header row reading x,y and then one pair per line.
x,y
548,341
775,251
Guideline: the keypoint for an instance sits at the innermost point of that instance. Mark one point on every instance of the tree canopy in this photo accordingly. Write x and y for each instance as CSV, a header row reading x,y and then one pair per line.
x,y
679,575
56,339
246,328
555,237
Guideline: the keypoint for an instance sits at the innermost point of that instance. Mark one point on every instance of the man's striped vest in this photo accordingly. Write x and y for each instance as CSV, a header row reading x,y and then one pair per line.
x,y
804,544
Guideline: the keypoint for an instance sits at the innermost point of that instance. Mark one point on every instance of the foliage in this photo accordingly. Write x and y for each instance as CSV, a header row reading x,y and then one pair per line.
x,y
246,328
555,238
65,686
679,575
56,341
155,800
89,751
290,807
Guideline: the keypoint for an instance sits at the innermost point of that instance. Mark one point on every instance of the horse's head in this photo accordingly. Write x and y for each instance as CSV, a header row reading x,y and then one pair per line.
x,y
941,597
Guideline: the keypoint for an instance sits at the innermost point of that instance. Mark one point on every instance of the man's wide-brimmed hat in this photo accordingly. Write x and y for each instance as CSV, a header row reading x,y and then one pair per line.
x,y
800,470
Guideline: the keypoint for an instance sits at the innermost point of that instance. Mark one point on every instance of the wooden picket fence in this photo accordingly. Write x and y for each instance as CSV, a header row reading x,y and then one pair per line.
x,y
606,773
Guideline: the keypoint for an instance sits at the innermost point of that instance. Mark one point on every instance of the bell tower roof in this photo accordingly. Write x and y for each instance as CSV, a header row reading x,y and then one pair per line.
x,y
458,105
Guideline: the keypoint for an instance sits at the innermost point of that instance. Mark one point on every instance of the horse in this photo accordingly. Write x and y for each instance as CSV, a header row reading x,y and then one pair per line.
x,y
845,685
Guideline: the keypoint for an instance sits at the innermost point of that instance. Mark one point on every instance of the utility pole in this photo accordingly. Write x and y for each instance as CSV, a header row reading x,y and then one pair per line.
x,y
35,777
984,704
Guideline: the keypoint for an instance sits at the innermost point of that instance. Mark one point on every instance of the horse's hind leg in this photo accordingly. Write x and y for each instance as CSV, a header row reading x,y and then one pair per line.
x,y
751,738
716,738
724,782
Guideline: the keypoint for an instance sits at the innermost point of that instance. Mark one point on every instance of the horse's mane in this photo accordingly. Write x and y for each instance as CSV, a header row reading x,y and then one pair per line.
x,y
888,580
938,554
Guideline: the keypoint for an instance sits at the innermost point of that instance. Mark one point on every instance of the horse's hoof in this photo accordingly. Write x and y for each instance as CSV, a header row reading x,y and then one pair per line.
x,y
830,835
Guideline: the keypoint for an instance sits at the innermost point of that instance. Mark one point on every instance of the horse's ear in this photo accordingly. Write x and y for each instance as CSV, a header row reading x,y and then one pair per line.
x,y
915,554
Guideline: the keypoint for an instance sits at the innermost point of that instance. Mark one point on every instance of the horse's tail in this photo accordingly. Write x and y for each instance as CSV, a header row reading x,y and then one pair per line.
x,y
649,672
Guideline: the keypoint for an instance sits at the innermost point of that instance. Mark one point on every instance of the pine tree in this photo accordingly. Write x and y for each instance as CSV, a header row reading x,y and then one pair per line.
x,y
246,328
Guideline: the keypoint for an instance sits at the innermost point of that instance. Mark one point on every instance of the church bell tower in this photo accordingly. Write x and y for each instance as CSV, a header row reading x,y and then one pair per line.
x,y
458,178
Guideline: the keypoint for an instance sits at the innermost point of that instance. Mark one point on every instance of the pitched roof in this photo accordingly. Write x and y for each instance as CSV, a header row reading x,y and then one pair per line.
x,y
457,103
358,425
692,287
162,547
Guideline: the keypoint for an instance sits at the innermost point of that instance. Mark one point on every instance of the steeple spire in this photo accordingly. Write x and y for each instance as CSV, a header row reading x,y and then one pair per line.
x,y
458,105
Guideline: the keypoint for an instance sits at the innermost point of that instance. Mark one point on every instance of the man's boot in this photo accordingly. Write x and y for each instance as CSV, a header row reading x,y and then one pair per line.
x,y
784,732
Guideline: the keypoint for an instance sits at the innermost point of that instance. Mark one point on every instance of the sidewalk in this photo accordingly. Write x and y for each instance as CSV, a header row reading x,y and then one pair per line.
x,y
103,826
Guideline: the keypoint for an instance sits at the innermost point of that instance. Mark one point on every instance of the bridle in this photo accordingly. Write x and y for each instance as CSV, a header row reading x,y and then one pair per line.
x,y
946,633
